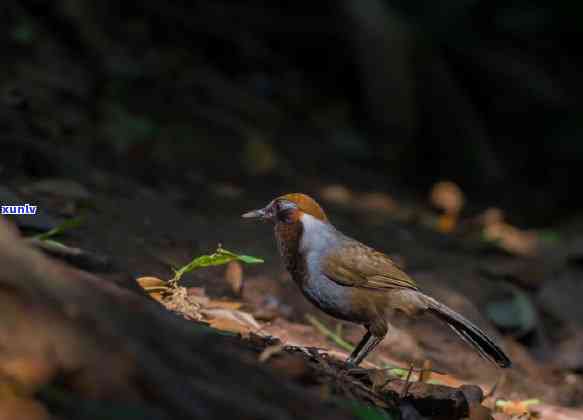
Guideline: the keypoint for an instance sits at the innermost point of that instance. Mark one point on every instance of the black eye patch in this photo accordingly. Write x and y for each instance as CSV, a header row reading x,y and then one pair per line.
x,y
285,211
285,215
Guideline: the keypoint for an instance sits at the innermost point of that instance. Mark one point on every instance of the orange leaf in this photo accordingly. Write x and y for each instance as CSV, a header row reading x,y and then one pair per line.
x,y
447,196
145,282
156,296
446,223
234,276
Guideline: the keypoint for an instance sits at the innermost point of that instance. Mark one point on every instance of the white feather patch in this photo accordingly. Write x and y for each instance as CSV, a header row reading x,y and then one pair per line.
x,y
317,234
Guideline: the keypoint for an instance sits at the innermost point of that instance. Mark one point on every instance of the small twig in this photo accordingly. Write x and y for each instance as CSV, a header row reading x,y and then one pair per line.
x,y
407,382
426,371
339,341
339,329
499,381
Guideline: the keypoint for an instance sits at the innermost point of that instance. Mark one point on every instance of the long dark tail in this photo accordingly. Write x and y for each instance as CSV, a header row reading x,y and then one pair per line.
x,y
468,332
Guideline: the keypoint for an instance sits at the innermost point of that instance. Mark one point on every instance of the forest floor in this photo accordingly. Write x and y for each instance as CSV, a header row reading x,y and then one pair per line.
x,y
525,283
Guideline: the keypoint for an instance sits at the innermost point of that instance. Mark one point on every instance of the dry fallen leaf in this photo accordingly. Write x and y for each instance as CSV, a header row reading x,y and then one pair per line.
x,y
156,296
231,320
446,223
495,229
151,282
234,276
153,286
447,196
512,239
238,316
193,303
516,408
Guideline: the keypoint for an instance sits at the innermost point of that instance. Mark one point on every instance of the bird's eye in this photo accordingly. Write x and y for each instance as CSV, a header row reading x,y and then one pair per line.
x,y
285,216
285,212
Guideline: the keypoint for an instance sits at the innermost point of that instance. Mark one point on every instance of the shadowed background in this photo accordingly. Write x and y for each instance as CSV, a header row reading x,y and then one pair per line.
x,y
485,93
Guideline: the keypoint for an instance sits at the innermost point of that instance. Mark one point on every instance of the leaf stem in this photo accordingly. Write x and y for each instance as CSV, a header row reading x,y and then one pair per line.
x,y
339,341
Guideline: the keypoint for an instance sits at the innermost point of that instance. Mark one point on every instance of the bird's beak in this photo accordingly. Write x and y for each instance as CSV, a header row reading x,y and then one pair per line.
x,y
255,214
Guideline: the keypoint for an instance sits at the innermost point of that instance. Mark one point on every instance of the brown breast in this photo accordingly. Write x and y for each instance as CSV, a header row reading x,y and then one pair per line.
x,y
288,236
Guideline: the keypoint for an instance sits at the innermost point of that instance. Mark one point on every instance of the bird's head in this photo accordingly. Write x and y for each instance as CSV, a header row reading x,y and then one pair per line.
x,y
288,209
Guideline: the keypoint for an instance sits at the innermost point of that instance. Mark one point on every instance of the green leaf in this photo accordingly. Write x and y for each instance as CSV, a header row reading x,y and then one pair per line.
x,y
532,401
399,372
56,243
435,382
220,257
66,225
248,259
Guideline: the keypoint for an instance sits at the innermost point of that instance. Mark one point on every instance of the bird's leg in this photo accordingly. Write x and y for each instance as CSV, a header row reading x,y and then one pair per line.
x,y
358,348
363,348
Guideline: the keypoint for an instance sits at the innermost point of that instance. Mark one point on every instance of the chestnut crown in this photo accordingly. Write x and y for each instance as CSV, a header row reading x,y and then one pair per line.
x,y
289,207
305,204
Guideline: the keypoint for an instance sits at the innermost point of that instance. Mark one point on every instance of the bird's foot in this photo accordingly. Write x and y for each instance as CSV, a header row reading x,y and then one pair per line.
x,y
352,367
351,361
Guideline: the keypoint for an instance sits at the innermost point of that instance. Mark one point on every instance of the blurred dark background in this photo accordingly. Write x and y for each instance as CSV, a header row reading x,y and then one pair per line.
x,y
384,95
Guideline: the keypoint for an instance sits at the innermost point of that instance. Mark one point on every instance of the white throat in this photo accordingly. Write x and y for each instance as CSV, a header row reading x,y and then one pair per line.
x,y
317,234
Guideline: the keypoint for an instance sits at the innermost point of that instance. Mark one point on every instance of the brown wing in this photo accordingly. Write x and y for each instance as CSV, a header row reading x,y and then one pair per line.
x,y
356,265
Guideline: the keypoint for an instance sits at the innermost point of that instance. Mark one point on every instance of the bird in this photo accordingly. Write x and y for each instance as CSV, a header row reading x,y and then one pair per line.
x,y
354,282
